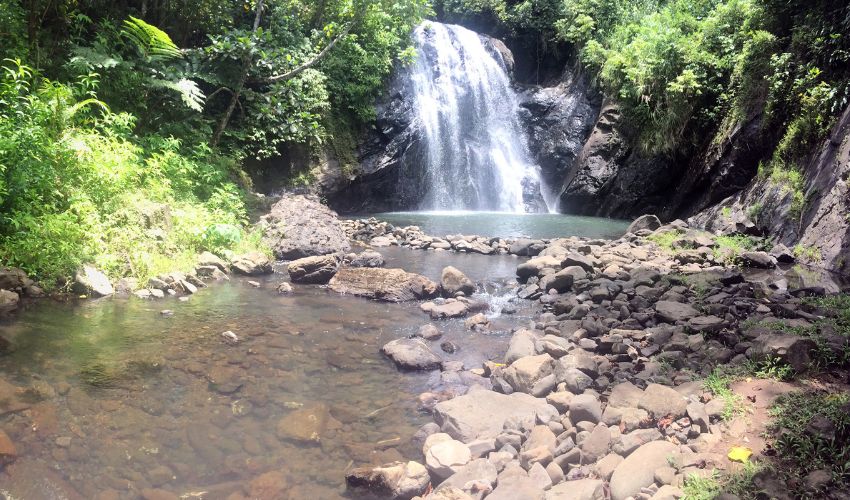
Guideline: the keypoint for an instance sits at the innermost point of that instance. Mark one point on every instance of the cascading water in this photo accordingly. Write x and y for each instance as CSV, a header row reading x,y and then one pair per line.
x,y
476,157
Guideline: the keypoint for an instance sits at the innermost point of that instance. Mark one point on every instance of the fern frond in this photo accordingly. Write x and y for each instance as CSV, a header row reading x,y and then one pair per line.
x,y
71,111
151,41
191,95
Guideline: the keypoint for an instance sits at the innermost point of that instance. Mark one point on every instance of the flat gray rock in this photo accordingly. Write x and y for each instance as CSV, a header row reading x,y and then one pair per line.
x,y
412,354
638,469
481,414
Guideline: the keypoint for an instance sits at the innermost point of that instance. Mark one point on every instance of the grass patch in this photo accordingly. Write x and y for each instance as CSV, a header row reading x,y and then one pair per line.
x,y
718,383
728,249
739,483
666,239
811,431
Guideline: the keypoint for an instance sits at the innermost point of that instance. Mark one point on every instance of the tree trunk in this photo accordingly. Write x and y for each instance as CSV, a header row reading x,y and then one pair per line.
x,y
237,92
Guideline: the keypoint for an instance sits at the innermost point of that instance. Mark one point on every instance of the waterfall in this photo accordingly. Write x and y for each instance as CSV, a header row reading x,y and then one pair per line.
x,y
475,152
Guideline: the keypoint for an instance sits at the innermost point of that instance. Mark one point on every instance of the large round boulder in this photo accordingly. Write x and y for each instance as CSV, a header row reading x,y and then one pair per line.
x,y
300,226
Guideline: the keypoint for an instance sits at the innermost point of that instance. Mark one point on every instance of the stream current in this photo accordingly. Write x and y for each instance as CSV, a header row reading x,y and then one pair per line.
x,y
112,396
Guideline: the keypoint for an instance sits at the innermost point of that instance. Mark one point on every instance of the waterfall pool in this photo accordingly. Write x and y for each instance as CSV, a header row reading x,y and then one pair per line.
x,y
104,398
505,224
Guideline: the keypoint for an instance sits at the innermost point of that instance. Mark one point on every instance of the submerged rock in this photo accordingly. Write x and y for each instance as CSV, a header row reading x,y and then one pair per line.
x,y
300,226
389,285
305,424
412,354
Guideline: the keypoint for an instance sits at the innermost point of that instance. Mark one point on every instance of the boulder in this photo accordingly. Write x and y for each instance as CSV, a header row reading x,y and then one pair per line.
x,y
445,457
316,270
792,349
580,489
412,354
300,226
480,473
517,487
761,260
481,414
522,344
523,373
532,267
389,285
638,469
396,481
252,264
454,282
672,312
585,408
91,281
448,309
210,259
368,258
661,401
644,222
8,301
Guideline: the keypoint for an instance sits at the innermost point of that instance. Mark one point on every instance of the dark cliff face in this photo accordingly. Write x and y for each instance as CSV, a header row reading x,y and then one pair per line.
x,y
558,120
821,229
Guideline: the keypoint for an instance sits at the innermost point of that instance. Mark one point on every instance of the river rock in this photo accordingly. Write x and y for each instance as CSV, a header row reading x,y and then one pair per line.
x,y
534,266
760,260
792,349
252,264
211,259
396,481
644,222
638,469
271,484
8,452
300,226
445,457
449,309
368,258
517,487
304,425
453,282
585,408
389,285
672,312
661,401
580,489
481,414
91,281
316,270
411,354
523,373
8,300
475,478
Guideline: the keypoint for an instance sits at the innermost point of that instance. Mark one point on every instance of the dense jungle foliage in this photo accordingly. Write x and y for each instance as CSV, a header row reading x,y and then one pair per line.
x,y
124,125
685,72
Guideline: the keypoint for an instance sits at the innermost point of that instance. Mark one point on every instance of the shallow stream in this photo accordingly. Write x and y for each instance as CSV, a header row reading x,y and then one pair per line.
x,y
112,394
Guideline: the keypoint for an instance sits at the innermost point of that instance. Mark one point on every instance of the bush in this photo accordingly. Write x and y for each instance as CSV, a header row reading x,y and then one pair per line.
x,y
76,188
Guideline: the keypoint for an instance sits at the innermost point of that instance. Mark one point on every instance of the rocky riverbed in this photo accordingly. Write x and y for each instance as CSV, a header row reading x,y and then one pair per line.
x,y
601,395
396,364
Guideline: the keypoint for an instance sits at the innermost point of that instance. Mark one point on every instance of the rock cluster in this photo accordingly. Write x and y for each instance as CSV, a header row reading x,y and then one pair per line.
x,y
602,394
